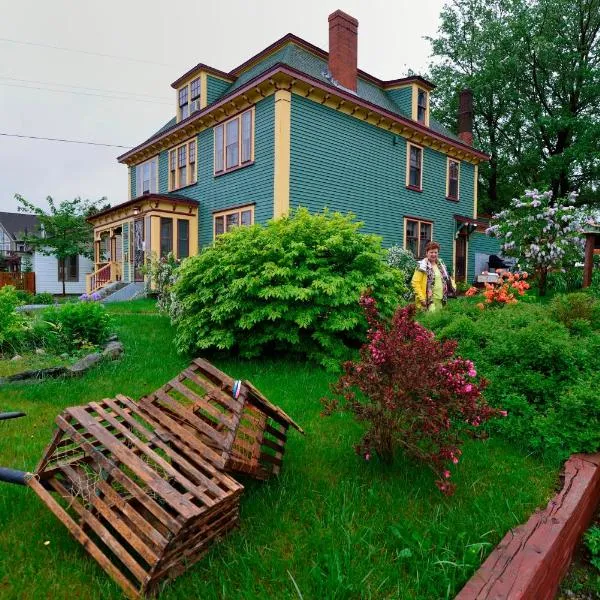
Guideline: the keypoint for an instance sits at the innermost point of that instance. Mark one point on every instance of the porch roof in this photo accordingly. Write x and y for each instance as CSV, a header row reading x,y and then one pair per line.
x,y
172,198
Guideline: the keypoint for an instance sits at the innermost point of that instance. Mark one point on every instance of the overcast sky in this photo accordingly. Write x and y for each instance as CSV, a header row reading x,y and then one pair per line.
x,y
146,45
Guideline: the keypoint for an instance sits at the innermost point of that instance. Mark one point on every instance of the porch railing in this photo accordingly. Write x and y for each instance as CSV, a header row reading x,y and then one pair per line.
x,y
108,273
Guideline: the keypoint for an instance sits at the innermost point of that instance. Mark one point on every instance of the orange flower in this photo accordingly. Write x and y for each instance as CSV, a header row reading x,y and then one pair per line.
x,y
471,291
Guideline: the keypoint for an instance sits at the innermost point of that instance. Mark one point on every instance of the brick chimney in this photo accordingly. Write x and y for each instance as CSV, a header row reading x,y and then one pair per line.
x,y
343,48
465,116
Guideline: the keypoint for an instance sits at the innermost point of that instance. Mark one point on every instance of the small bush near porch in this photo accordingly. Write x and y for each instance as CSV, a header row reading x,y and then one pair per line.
x,y
331,526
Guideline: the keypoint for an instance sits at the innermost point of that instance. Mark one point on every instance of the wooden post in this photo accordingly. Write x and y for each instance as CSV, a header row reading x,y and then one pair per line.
x,y
590,239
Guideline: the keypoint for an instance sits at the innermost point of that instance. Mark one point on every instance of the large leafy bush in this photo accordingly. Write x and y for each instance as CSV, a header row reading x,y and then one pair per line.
x,y
413,392
544,374
292,284
12,323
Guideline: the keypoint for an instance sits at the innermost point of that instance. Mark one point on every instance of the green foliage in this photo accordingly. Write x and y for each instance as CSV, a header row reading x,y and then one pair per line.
x,y
12,323
542,373
26,264
572,309
591,539
76,324
291,285
24,297
162,275
63,229
43,298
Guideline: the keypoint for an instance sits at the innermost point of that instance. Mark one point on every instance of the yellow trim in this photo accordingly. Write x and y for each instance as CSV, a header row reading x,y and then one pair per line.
x,y
475,190
155,234
231,211
419,221
448,160
252,136
178,185
415,103
203,90
131,191
281,170
408,146
188,84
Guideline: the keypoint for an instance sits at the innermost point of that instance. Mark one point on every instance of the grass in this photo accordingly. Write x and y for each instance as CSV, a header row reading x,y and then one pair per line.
x,y
331,526
29,361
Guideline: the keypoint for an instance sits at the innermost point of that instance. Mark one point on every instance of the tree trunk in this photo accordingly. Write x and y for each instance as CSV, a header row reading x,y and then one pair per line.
x,y
543,274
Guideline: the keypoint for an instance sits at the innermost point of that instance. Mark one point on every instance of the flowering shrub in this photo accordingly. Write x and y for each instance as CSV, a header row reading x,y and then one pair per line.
x,y
403,260
413,392
502,291
541,232
162,275
95,297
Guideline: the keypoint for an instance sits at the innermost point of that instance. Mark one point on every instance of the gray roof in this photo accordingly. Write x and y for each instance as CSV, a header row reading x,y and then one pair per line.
x,y
18,223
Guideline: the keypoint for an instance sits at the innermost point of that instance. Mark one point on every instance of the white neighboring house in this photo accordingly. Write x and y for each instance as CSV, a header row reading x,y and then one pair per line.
x,y
46,268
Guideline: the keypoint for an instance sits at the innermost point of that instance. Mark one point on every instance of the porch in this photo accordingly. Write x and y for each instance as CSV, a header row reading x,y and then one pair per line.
x,y
126,236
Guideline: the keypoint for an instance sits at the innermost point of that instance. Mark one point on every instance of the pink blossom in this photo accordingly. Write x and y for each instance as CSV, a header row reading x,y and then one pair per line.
x,y
468,388
472,372
446,474
503,413
367,456
455,460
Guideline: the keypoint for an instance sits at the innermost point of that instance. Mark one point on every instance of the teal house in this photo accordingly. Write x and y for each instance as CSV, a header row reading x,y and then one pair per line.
x,y
296,126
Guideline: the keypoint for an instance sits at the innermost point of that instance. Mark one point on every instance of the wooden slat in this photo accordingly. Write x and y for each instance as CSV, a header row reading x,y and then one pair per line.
x,y
212,371
117,522
181,460
181,432
162,515
219,394
273,446
275,433
83,538
106,536
50,448
167,492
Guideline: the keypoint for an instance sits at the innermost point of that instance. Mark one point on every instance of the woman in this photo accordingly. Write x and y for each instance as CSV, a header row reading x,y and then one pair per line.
x,y
431,283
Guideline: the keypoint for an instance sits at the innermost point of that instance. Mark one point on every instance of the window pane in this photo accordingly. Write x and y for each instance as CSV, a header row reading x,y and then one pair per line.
x,y
232,221
415,167
173,159
412,236
421,106
192,151
246,136
185,111
219,225
195,89
231,150
153,178
183,96
425,237
166,236
246,217
182,176
183,238
181,156
218,148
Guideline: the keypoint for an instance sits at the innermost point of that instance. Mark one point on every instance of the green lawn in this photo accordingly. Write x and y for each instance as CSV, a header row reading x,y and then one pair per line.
x,y
332,526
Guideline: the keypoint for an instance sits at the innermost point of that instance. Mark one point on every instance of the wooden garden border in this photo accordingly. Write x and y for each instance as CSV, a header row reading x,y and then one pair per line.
x,y
531,560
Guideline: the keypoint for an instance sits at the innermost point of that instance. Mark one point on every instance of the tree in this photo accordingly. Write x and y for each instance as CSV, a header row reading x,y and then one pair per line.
x,y
63,229
541,232
534,68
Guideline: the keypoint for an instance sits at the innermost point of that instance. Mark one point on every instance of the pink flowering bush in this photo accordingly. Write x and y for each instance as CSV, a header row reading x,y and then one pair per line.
x,y
413,392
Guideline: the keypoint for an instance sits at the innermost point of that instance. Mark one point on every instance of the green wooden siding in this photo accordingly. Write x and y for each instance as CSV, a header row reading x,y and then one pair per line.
x,y
351,166
250,184
133,181
163,172
403,99
215,88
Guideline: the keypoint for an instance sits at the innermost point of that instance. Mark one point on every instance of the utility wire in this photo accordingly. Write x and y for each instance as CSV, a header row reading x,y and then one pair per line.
x,y
34,137
28,87
82,87
138,60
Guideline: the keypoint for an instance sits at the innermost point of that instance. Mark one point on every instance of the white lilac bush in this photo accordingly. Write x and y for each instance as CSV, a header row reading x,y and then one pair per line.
x,y
540,232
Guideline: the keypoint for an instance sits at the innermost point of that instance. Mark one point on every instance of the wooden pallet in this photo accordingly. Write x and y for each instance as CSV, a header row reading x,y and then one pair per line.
x,y
144,503
244,435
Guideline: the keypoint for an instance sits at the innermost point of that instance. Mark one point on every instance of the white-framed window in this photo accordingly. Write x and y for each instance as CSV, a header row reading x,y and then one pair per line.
x,y
452,179
182,165
146,177
225,220
414,167
234,142
417,233
188,98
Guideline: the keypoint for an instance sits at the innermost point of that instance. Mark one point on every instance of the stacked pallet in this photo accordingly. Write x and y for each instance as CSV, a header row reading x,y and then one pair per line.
x,y
142,486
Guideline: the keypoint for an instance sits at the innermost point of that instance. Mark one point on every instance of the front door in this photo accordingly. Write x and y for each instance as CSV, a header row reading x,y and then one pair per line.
x,y
138,249
460,258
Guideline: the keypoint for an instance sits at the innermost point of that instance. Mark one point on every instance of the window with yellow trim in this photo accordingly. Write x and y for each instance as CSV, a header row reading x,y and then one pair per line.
x,y
414,168
182,165
226,220
416,236
453,179
234,142
422,106
188,98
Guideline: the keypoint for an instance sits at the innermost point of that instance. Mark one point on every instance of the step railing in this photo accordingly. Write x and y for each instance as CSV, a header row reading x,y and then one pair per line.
x,y
106,274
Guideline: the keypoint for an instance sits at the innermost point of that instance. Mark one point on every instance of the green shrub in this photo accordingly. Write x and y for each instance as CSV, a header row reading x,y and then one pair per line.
x,y
591,539
43,298
24,297
572,309
538,371
291,285
75,325
12,323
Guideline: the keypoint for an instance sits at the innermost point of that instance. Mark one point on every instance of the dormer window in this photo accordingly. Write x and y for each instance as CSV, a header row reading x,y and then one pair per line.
x,y
422,106
189,98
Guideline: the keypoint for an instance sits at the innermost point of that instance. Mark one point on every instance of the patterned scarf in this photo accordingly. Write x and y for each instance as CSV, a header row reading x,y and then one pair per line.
x,y
427,267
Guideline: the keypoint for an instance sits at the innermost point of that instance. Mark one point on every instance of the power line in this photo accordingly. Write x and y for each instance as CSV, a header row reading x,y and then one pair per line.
x,y
137,60
28,87
34,137
82,87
